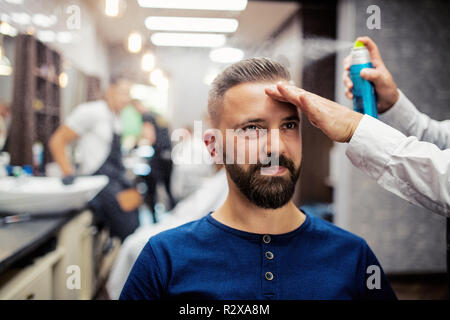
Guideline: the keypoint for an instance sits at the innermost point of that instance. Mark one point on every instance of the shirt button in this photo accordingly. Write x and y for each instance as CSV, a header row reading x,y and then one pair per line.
x,y
269,275
269,255
266,238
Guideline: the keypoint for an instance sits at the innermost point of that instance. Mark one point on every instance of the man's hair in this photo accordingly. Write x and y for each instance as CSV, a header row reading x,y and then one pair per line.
x,y
117,80
244,71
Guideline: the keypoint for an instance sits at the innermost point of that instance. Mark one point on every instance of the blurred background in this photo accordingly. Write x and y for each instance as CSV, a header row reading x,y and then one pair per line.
x,y
56,55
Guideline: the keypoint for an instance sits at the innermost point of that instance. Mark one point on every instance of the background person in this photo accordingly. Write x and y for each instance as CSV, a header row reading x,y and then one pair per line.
x,y
96,128
155,132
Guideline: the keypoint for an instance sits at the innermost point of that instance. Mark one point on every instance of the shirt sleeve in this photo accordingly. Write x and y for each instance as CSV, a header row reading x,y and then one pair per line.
x,y
82,119
406,118
417,171
144,281
373,282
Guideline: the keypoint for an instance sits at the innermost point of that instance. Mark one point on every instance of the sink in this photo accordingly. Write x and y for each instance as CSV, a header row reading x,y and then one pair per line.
x,y
43,195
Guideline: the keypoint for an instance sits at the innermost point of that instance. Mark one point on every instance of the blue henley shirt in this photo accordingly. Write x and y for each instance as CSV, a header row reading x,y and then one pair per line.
x,y
206,259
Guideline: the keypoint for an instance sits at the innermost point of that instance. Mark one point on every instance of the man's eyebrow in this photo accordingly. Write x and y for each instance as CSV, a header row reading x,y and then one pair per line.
x,y
291,117
248,121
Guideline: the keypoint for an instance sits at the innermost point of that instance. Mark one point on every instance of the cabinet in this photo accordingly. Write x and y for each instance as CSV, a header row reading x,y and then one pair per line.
x,y
47,276
75,239
36,99
79,245
34,282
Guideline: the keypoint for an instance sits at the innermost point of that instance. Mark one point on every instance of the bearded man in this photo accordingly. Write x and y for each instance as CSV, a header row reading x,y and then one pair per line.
x,y
258,244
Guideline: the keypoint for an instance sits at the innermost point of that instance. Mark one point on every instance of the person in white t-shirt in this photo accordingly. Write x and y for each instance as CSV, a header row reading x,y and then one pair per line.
x,y
95,126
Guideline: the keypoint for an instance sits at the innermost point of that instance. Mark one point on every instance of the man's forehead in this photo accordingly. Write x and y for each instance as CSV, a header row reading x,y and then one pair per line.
x,y
246,92
250,99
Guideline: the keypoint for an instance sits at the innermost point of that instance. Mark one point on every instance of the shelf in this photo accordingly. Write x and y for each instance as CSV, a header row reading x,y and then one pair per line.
x,y
51,79
46,112
36,99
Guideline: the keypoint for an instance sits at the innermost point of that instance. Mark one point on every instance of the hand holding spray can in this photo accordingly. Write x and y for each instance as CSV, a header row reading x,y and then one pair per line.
x,y
364,98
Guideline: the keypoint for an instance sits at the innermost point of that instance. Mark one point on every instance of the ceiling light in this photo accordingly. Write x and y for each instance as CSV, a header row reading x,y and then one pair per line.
x,y
226,55
148,62
15,1
159,80
46,36
134,42
112,8
156,76
64,37
188,39
41,20
228,5
163,84
7,29
21,18
63,80
191,24
5,64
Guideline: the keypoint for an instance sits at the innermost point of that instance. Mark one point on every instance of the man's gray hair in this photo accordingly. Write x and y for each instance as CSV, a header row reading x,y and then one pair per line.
x,y
244,71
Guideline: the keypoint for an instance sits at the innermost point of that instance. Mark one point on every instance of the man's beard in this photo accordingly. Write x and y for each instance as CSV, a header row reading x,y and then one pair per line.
x,y
268,192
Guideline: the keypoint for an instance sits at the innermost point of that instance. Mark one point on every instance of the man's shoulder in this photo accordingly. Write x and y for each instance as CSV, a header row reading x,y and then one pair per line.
x,y
93,107
329,232
181,234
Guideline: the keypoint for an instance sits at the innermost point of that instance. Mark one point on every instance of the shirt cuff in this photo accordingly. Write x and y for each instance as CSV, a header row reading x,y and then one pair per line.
x,y
401,114
372,146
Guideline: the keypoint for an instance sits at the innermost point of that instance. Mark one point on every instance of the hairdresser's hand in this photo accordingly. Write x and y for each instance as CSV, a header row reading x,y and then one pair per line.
x,y
385,86
68,180
336,121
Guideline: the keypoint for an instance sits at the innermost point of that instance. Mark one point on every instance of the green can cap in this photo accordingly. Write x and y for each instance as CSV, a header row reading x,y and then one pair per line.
x,y
359,44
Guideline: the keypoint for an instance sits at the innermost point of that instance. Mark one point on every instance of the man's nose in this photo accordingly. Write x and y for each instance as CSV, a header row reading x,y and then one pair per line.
x,y
274,144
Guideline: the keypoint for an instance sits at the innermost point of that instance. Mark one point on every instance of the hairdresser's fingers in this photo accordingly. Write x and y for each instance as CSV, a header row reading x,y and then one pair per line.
x,y
272,91
336,121
375,55
349,94
292,94
312,109
373,75
347,81
347,62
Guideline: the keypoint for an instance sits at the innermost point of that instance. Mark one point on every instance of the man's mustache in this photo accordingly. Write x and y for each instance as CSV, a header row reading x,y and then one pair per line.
x,y
282,162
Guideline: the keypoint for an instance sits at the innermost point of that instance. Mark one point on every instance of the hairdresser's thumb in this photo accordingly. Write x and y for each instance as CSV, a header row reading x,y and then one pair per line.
x,y
370,74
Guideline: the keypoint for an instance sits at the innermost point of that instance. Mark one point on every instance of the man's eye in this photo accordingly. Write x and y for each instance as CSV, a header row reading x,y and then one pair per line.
x,y
250,128
250,131
291,125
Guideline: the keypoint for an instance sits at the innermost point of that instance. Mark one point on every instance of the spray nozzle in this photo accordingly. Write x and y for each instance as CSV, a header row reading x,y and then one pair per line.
x,y
359,44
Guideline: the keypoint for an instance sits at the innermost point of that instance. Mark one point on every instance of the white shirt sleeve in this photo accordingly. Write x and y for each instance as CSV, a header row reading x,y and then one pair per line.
x,y
81,119
404,116
417,171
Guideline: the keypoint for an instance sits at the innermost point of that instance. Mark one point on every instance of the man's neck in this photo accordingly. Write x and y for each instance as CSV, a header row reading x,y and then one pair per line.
x,y
110,105
239,213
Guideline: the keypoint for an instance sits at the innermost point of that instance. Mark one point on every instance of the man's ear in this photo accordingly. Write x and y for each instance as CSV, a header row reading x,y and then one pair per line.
x,y
210,142
213,141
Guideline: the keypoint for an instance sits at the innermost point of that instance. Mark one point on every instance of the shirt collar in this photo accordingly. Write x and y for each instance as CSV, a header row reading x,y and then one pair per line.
x,y
256,236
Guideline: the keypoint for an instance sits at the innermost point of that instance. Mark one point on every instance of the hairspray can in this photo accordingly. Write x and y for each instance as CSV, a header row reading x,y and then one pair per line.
x,y
364,98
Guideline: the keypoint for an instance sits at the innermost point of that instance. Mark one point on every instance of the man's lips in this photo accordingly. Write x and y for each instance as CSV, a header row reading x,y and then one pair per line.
x,y
273,170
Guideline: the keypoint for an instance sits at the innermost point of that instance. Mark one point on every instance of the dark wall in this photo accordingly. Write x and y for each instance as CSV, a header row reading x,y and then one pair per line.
x,y
318,20
415,44
414,41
